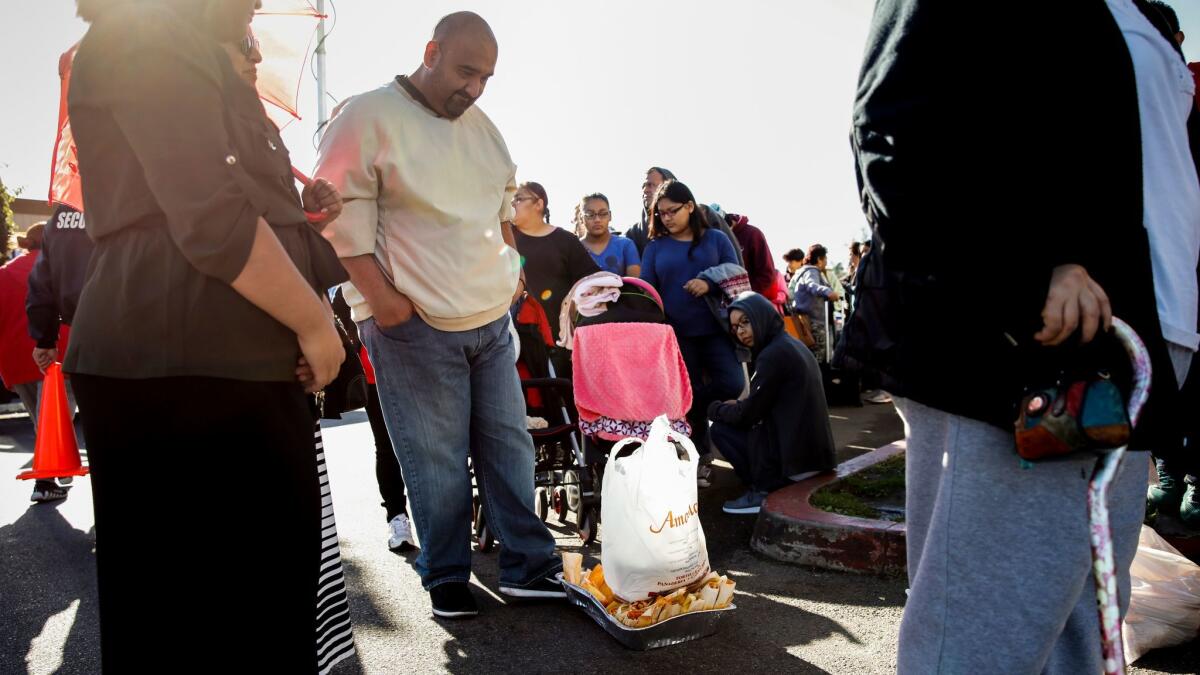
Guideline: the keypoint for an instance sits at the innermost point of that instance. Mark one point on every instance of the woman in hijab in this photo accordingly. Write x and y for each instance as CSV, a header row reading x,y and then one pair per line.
x,y
779,433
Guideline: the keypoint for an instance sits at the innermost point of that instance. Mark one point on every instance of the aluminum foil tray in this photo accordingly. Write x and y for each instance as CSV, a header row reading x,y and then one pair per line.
x,y
682,628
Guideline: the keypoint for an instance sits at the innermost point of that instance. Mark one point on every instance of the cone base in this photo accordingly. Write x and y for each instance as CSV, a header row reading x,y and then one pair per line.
x,y
30,475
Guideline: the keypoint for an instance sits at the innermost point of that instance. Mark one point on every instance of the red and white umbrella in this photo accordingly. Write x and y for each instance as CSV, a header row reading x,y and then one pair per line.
x,y
285,30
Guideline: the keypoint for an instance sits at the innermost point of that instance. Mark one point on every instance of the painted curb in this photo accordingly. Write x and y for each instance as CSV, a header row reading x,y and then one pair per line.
x,y
791,530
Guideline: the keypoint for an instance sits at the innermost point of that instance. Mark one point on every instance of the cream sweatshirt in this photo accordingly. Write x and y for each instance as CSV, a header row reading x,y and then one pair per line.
x,y
426,195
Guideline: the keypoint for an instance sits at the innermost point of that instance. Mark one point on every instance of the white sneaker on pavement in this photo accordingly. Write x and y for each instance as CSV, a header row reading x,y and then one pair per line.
x,y
400,533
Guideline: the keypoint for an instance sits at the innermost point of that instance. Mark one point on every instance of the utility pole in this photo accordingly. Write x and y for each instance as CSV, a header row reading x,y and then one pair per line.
x,y
322,111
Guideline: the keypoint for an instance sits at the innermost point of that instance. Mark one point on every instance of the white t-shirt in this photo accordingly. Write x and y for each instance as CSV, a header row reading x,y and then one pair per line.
x,y
426,195
1170,188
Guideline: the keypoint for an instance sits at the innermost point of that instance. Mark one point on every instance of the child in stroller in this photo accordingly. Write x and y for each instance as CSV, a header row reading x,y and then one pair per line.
x,y
626,371
626,364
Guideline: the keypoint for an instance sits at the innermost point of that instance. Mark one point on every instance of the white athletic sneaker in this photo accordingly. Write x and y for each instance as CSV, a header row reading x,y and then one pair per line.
x,y
400,533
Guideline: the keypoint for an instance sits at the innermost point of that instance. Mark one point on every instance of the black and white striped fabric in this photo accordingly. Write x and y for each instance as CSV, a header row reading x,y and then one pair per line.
x,y
335,637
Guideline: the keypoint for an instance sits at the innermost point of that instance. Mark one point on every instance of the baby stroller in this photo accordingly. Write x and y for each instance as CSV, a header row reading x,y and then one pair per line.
x,y
562,484
627,369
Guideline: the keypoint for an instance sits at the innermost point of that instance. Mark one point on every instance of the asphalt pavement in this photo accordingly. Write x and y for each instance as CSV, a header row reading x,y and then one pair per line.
x,y
789,619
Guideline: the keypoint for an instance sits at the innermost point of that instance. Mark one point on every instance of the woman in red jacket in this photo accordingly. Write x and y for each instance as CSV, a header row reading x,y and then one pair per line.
x,y
17,369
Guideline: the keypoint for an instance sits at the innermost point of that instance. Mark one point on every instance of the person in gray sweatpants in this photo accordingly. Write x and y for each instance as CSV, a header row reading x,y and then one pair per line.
x,y
1013,593
1018,203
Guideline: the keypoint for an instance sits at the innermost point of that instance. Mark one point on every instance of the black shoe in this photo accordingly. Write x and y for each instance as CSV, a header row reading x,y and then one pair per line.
x,y
453,600
545,587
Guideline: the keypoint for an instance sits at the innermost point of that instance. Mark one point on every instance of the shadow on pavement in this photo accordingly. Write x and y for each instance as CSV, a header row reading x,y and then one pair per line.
x,y
363,609
352,417
16,434
51,574
542,636
1182,659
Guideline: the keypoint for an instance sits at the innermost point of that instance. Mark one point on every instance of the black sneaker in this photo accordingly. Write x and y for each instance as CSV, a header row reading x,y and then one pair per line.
x,y
453,600
545,587
48,493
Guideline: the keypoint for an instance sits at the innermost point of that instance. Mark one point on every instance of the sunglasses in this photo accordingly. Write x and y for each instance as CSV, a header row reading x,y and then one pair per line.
x,y
247,45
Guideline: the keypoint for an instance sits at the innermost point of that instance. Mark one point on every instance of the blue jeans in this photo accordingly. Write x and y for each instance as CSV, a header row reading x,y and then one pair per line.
x,y
715,374
447,396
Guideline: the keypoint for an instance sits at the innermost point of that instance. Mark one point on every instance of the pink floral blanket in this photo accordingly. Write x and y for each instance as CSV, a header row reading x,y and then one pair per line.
x,y
628,372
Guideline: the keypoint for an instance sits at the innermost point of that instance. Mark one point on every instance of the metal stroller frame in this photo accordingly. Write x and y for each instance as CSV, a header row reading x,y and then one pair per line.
x,y
562,478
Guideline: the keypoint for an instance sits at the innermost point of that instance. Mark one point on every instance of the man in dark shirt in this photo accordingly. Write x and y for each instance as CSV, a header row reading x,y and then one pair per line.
x,y
57,280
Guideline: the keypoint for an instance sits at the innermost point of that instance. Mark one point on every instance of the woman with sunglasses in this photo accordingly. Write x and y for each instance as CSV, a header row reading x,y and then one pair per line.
x,y
245,56
681,247
200,331
612,252
553,259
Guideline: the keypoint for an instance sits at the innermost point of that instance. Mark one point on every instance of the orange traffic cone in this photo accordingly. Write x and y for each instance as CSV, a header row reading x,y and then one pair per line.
x,y
55,454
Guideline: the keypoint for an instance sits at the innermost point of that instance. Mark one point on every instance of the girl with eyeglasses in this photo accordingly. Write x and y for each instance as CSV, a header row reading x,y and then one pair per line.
x,y
681,247
552,257
612,252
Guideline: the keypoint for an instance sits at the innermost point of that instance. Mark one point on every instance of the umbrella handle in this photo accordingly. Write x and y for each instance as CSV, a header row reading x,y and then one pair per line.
x,y
1103,561
305,180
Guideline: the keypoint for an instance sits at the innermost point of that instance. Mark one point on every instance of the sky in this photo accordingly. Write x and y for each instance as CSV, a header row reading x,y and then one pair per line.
x,y
747,102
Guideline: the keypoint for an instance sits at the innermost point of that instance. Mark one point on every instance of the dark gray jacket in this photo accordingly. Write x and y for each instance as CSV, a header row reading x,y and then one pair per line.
x,y
58,275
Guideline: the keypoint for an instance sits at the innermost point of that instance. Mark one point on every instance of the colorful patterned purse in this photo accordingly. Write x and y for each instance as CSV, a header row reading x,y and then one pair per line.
x,y
1072,416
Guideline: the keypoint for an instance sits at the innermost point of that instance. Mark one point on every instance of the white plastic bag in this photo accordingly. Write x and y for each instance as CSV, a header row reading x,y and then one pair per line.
x,y
653,541
1164,604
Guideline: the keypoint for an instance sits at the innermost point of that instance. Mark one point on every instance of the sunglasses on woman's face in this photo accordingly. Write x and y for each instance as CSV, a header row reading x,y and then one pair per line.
x,y
247,45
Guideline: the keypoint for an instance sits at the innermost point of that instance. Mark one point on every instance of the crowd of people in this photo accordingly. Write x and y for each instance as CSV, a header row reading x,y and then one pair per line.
x,y
201,292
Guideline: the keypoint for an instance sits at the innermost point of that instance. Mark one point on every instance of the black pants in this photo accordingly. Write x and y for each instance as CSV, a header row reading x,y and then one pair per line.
x,y
206,569
387,466
757,469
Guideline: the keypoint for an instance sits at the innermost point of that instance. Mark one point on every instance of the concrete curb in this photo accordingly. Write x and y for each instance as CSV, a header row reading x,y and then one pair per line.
x,y
789,529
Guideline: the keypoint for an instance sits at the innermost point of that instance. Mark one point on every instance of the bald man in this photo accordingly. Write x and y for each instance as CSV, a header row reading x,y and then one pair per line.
x,y
425,233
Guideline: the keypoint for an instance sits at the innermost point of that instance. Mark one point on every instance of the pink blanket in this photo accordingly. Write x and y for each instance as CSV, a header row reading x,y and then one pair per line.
x,y
631,372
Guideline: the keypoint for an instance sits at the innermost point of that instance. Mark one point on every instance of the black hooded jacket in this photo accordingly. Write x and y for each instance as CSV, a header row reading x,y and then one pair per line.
x,y
785,413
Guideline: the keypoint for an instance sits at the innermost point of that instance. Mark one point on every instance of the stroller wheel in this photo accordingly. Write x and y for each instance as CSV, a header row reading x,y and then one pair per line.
x,y
571,478
486,541
483,534
588,525
541,503
559,504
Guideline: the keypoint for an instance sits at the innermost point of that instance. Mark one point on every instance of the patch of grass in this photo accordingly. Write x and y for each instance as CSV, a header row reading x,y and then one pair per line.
x,y
849,495
842,503
881,480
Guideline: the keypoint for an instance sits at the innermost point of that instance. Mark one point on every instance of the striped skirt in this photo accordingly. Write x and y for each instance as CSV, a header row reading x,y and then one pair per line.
x,y
335,638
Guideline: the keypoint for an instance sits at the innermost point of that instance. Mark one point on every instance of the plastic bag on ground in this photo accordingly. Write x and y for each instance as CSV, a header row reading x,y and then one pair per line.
x,y
653,541
1164,604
